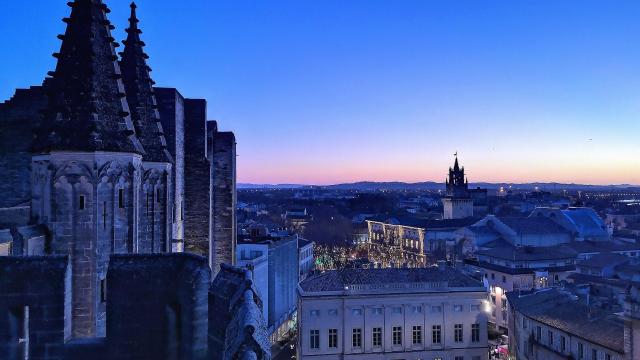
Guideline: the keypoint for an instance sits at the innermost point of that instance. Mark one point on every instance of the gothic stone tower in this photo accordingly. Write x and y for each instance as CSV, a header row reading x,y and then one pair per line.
x,y
457,203
87,164
154,207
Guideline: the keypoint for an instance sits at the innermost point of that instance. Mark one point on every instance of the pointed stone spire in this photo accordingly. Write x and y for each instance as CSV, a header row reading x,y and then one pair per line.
x,y
456,167
140,96
87,107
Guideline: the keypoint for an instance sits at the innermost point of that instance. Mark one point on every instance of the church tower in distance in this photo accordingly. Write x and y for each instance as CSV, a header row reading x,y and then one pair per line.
x,y
457,202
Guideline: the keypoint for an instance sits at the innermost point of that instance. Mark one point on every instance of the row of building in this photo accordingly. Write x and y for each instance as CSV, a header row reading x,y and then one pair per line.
x,y
556,280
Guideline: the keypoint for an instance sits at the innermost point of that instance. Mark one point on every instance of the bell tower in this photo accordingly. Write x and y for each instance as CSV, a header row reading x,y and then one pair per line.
x,y
457,202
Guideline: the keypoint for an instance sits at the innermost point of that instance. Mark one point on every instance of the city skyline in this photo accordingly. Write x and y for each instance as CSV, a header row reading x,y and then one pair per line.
x,y
327,92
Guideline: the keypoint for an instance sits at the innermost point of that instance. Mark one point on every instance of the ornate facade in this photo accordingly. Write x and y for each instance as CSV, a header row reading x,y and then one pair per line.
x,y
396,245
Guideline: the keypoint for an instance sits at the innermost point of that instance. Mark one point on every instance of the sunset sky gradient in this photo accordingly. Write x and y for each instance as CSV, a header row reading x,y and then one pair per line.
x,y
328,91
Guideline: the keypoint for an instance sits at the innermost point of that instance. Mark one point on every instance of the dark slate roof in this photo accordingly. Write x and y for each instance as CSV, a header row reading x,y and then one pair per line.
x,y
600,261
578,278
299,217
506,251
142,101
336,280
450,223
559,310
628,268
586,221
87,109
533,225
582,247
303,242
484,230
429,225
31,231
5,236
518,271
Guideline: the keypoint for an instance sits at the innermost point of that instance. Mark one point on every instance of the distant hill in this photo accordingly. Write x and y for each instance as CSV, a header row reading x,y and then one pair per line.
x,y
434,186
270,186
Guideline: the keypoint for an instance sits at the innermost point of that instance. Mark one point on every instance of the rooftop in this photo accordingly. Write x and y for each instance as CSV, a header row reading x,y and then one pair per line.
x,y
264,239
579,279
429,225
303,242
582,247
600,261
337,280
517,271
450,223
505,251
562,311
586,221
535,225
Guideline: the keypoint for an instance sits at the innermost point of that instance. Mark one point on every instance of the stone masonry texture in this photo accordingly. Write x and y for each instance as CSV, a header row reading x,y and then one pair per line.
x,y
222,155
196,177
19,118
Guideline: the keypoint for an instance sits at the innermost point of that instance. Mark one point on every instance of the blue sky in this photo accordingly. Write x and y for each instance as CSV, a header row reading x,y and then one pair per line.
x,y
330,91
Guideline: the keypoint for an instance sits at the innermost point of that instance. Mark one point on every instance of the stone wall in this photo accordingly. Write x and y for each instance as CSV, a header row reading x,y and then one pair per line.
x,y
157,306
88,201
171,109
222,155
34,307
196,177
19,118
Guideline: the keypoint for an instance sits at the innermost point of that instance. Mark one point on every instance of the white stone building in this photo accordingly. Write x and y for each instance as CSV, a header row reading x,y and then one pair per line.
x,y
305,257
274,266
417,313
551,324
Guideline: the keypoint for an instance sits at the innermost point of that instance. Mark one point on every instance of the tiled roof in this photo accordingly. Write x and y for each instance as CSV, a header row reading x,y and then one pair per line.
x,y
504,250
518,271
426,224
600,261
586,221
30,231
582,247
578,279
534,225
450,223
5,236
559,310
336,280
484,230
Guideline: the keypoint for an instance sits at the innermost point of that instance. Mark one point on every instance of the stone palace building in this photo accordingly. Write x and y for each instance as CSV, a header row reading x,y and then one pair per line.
x,y
106,179
387,314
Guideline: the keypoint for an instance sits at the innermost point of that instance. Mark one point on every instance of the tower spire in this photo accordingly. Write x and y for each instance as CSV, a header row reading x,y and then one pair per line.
x,y
456,167
140,96
87,108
